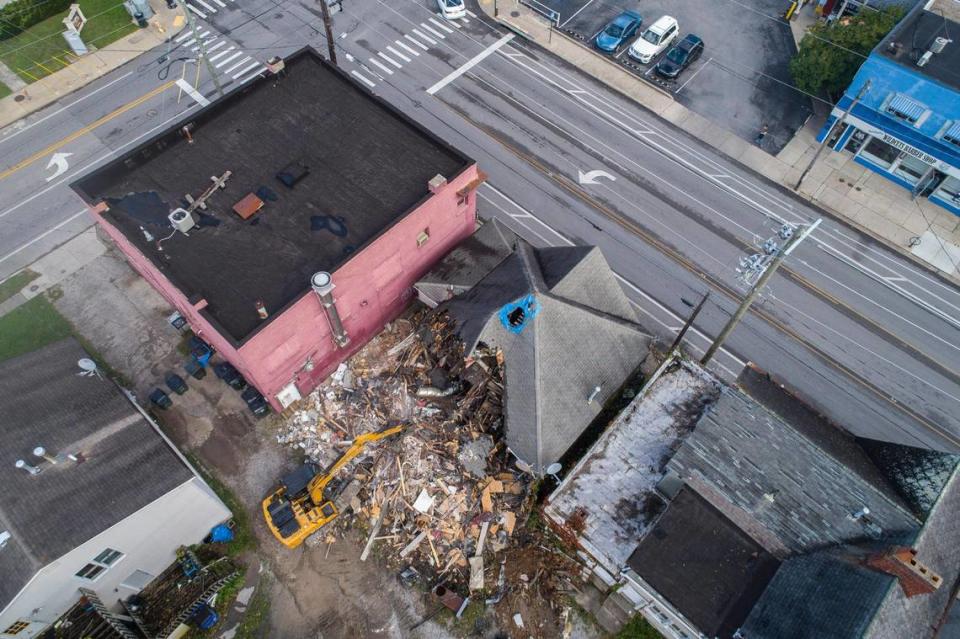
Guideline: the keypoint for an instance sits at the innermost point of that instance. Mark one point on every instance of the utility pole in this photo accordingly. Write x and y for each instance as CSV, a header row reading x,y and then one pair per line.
x,y
328,28
688,323
203,47
794,240
863,91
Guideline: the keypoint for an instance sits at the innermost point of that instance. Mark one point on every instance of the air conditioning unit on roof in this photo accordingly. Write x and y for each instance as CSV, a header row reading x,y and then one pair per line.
x,y
182,220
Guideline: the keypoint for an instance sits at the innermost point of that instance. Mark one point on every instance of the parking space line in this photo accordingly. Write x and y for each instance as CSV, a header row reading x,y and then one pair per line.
x,y
417,42
474,61
441,25
425,37
406,48
398,54
625,49
381,66
589,2
389,59
433,31
702,67
362,78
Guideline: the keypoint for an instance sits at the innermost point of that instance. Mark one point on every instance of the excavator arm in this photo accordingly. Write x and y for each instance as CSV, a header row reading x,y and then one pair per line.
x,y
319,483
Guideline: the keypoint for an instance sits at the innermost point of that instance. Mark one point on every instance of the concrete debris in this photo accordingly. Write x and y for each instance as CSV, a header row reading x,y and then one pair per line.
x,y
443,493
518,620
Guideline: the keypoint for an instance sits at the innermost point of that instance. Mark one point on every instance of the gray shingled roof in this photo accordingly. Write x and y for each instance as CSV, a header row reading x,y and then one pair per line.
x,y
579,332
752,464
127,465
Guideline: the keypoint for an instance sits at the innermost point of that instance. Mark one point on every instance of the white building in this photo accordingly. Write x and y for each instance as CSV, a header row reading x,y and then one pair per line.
x,y
103,509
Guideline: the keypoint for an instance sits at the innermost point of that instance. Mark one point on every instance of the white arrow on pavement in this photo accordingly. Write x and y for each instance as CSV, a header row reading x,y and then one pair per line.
x,y
592,177
60,161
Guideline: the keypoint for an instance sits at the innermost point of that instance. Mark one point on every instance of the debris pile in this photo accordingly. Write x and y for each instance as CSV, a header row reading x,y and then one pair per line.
x,y
441,497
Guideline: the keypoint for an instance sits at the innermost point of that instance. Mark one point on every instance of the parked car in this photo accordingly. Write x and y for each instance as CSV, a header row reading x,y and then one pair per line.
x,y
655,38
680,56
452,9
618,32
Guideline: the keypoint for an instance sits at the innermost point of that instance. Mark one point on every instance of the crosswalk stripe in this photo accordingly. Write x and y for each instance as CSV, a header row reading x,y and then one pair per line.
x,y
471,13
214,47
189,42
407,49
454,23
228,59
466,20
433,31
221,3
206,6
376,63
363,79
206,43
243,61
183,36
221,54
256,63
252,75
416,42
427,38
389,59
398,54
196,11
440,24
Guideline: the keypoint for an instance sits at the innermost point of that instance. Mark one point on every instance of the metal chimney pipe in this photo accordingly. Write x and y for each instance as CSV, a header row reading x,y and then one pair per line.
x,y
41,452
33,470
322,284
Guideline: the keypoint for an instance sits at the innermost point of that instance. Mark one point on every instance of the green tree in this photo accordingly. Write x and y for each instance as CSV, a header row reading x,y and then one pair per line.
x,y
827,59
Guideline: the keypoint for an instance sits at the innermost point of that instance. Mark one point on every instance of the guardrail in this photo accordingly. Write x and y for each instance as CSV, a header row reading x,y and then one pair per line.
x,y
544,10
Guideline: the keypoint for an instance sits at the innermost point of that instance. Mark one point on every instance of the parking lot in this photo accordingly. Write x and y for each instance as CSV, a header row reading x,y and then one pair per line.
x,y
741,81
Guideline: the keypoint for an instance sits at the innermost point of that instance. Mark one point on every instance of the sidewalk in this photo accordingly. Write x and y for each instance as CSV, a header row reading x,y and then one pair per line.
x,y
97,63
865,200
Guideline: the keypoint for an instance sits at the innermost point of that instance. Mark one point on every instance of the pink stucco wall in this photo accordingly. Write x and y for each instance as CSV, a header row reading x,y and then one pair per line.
x,y
371,289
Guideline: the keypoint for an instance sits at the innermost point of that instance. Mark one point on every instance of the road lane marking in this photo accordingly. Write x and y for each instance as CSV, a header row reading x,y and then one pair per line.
x,y
417,42
389,59
234,56
381,66
407,49
84,130
433,31
64,108
400,55
242,62
193,93
477,59
433,21
362,78
30,243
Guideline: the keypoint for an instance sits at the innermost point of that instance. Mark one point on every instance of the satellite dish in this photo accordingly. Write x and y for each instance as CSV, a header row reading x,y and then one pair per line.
x,y
553,469
88,367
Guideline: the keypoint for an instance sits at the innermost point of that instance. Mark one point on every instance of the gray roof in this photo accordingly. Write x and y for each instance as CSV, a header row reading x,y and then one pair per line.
x,y
703,564
127,465
578,332
758,468
468,263
823,595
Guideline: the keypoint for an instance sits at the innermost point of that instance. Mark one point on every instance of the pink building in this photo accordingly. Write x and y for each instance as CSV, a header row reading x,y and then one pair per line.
x,y
289,220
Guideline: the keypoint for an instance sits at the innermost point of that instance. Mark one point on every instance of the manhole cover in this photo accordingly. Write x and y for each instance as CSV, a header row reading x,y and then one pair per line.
x,y
151,113
19,98
514,14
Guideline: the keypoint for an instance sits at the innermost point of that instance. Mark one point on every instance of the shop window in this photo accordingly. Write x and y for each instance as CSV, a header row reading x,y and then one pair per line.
x,y
949,190
17,627
911,169
880,153
856,141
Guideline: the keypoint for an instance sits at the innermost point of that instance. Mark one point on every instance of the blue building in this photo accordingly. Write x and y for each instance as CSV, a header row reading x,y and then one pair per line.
x,y
906,125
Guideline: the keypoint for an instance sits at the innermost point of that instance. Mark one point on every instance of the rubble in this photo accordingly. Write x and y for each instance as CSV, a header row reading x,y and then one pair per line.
x,y
441,495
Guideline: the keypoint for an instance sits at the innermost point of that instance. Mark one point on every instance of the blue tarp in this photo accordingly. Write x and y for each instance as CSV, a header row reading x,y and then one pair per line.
x,y
221,534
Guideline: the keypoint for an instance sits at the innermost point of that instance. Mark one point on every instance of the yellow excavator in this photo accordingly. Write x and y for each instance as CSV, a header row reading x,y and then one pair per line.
x,y
304,501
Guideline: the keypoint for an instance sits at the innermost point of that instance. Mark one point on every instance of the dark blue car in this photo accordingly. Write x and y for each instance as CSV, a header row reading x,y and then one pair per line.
x,y
680,56
618,32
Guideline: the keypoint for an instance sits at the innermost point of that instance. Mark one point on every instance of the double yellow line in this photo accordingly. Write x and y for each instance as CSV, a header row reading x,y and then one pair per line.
x,y
83,131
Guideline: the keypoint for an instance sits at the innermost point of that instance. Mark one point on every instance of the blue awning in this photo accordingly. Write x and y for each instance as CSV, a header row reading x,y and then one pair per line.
x,y
910,109
945,151
953,133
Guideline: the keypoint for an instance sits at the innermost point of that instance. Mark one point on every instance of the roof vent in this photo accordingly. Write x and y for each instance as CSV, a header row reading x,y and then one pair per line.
x,y
42,453
436,183
939,44
4,538
922,61
33,470
182,220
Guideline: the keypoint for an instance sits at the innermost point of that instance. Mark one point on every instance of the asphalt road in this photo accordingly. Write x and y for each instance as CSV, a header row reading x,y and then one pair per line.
x,y
864,335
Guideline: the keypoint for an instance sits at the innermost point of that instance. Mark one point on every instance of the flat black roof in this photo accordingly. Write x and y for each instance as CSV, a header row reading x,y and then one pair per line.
x,y
368,166
914,35
703,564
